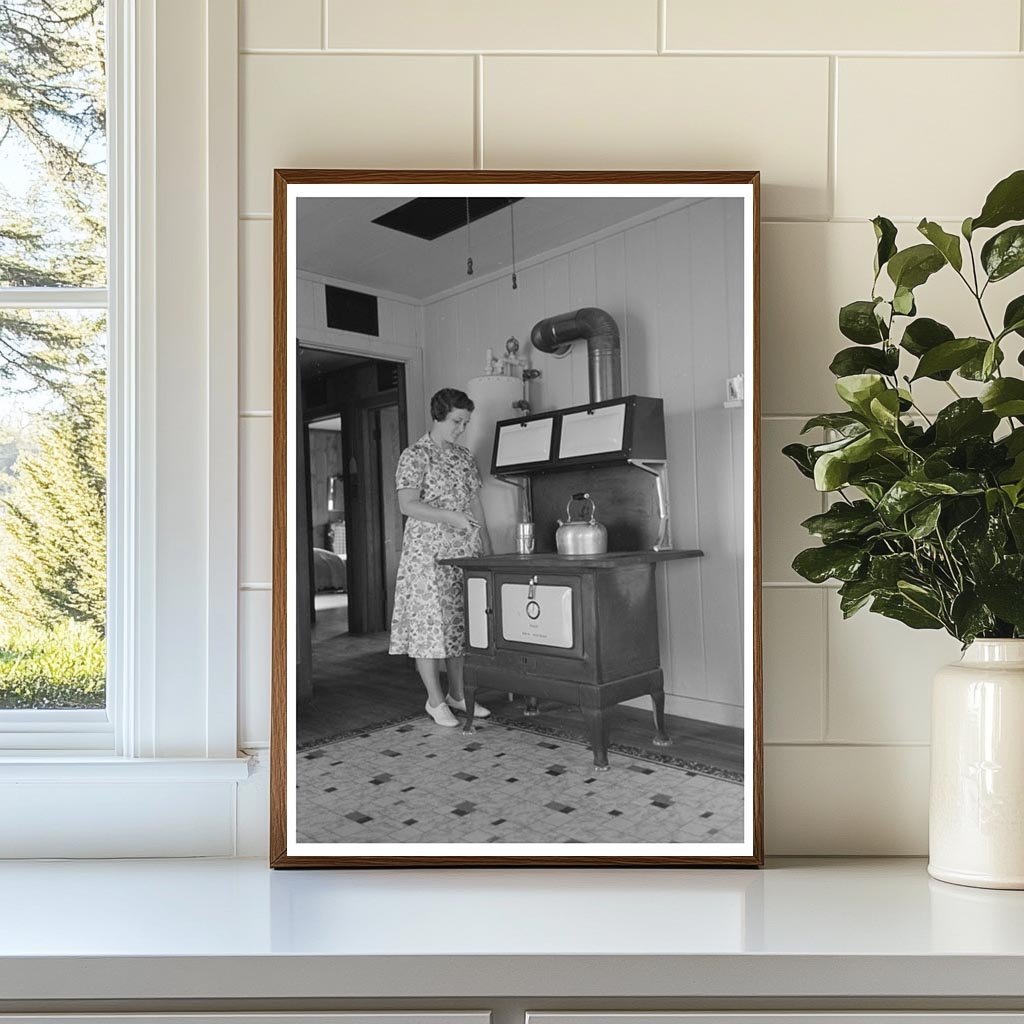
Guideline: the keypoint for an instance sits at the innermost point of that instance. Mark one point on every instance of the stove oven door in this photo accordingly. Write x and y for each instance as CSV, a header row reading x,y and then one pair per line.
x,y
479,612
539,613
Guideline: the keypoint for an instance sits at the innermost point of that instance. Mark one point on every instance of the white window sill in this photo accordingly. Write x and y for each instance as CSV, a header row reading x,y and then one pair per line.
x,y
74,766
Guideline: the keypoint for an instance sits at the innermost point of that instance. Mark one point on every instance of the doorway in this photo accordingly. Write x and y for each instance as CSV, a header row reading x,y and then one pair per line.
x,y
355,424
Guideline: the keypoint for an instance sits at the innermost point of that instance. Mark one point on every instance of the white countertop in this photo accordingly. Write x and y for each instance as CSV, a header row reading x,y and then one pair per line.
x,y
234,929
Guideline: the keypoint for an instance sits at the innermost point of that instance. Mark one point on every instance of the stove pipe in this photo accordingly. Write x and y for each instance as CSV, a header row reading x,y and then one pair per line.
x,y
556,334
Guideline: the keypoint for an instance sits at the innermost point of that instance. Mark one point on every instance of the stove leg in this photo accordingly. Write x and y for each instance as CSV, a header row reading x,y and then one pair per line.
x,y
469,693
661,738
594,718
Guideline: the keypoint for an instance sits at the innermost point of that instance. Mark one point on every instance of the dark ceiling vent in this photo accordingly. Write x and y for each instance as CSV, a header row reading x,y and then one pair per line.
x,y
431,218
351,311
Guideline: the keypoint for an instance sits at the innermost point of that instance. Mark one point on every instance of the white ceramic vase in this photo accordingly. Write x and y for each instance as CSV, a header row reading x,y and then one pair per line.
x,y
976,813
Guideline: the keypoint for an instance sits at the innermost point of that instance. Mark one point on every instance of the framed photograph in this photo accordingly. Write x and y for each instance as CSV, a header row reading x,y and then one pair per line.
x,y
516,609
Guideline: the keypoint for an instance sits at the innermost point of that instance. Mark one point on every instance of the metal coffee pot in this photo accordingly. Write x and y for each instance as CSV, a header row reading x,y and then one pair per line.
x,y
581,536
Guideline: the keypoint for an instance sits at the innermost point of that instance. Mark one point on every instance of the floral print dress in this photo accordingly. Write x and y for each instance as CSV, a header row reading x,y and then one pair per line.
x,y
428,620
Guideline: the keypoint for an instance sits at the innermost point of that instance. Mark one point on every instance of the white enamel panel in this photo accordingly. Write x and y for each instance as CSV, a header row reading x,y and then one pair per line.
x,y
537,615
476,602
524,442
592,432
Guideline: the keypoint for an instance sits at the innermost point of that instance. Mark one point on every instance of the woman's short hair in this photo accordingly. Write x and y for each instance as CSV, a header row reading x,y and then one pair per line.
x,y
447,399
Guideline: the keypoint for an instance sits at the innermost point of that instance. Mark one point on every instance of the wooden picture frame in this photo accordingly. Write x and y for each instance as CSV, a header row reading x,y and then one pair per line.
x,y
674,258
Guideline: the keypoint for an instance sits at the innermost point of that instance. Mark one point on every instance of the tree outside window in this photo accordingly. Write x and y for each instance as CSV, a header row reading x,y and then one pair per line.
x,y
53,384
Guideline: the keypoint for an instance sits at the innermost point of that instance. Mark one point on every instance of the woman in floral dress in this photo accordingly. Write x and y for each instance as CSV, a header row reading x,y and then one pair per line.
x,y
439,491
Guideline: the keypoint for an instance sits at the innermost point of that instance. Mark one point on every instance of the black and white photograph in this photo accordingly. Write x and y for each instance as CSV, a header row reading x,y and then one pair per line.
x,y
515,508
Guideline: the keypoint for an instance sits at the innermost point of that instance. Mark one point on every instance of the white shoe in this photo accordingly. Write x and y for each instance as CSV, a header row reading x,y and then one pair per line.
x,y
442,714
479,711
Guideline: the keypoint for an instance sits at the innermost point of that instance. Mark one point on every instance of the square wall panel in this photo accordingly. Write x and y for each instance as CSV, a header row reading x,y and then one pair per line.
x,y
961,130
794,663
254,628
269,24
868,25
255,316
350,111
471,25
880,676
846,801
683,113
255,508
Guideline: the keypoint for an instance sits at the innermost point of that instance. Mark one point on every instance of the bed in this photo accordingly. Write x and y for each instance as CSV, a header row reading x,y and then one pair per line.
x,y
328,571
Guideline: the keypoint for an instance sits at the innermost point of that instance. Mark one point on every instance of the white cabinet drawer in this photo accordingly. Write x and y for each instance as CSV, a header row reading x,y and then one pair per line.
x,y
853,1017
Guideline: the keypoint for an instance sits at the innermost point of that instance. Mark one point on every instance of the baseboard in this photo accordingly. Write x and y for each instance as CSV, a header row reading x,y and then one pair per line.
x,y
690,707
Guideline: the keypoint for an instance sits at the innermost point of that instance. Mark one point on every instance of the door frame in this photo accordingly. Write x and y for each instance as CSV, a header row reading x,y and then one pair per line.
x,y
410,390
346,343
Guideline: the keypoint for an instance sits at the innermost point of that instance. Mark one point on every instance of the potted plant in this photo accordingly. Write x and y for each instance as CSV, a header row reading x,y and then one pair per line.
x,y
927,521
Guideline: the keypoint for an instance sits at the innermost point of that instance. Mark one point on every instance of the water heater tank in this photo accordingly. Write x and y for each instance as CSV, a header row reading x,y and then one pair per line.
x,y
492,398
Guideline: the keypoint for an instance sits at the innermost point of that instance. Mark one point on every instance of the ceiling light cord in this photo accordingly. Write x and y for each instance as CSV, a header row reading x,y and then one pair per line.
x,y
469,244
512,218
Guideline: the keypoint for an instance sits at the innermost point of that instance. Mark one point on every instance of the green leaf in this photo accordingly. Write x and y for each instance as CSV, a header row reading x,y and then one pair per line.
x,y
842,521
974,368
850,361
923,335
903,611
1005,597
858,389
966,417
994,498
1003,254
1004,397
947,244
857,321
831,471
799,455
991,360
817,450
903,302
885,409
950,355
1013,317
872,491
841,561
1014,441
1016,523
1005,202
925,518
905,494
855,594
970,617
864,446
885,235
887,570
912,267
841,421
966,229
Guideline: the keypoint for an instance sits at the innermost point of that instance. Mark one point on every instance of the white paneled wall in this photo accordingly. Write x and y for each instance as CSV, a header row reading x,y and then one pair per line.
x,y
908,110
665,283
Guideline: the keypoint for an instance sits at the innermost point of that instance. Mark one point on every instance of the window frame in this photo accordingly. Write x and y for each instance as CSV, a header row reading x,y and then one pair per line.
x,y
94,730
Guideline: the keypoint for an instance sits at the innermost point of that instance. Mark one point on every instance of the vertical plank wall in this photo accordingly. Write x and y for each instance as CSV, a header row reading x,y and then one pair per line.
x,y
664,281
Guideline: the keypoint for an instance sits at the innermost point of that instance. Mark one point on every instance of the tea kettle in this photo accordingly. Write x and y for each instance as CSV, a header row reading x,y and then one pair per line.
x,y
581,536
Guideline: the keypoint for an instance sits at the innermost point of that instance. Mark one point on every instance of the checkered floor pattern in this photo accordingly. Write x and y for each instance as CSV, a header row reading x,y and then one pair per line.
x,y
418,783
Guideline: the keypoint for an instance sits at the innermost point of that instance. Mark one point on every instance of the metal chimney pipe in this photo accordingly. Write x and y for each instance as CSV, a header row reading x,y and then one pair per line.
x,y
556,334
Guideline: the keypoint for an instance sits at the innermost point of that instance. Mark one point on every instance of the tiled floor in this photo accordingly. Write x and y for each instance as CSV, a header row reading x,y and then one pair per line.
x,y
373,768
416,782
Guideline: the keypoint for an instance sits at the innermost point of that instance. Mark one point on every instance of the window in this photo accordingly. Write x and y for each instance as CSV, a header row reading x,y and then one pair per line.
x,y
53,369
